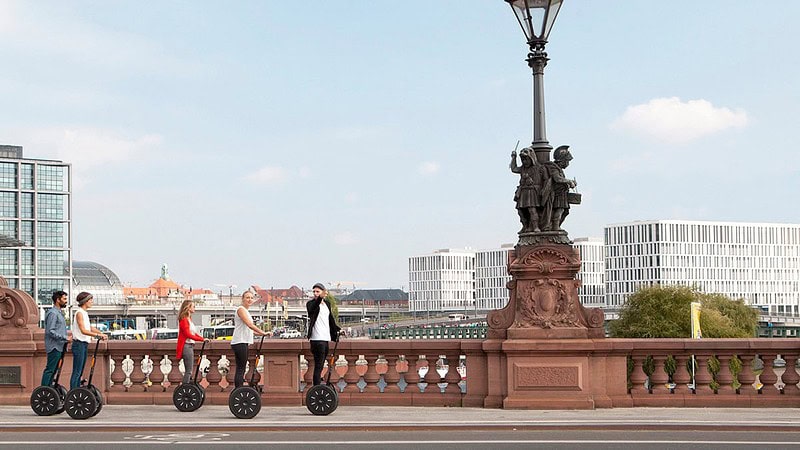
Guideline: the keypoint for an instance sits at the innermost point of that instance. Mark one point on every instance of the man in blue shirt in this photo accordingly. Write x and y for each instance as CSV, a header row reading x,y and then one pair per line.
x,y
55,335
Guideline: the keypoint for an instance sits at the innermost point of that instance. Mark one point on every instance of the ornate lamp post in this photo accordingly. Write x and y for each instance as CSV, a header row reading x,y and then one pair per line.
x,y
536,18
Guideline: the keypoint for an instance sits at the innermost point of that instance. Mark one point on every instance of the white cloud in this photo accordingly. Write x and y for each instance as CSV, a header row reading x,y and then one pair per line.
x,y
428,168
87,148
675,121
8,21
345,238
268,175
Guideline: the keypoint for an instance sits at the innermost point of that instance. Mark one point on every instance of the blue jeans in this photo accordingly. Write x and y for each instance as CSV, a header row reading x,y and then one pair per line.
x,y
79,351
52,364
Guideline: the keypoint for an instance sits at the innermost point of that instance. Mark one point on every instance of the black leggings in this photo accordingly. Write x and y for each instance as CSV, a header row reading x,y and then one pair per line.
x,y
240,351
320,351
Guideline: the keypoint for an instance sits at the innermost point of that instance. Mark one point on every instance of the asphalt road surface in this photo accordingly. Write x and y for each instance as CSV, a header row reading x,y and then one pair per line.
x,y
440,440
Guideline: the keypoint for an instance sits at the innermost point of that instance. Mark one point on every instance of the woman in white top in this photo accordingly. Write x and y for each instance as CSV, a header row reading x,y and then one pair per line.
x,y
243,335
82,334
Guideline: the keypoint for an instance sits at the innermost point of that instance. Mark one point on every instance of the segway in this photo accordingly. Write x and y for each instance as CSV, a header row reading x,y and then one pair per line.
x,y
49,400
245,401
85,401
323,399
190,396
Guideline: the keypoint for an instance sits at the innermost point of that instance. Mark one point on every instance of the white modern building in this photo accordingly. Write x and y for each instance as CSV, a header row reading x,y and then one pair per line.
x,y
35,212
759,262
442,281
592,292
491,276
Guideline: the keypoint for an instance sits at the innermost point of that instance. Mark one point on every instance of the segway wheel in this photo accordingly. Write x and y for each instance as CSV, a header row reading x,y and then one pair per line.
x,y
45,401
322,400
188,397
245,402
80,403
99,397
62,395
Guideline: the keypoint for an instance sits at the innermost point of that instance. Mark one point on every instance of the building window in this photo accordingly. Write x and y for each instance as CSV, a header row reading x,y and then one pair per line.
x,y
51,234
51,207
8,263
50,178
52,263
8,175
8,204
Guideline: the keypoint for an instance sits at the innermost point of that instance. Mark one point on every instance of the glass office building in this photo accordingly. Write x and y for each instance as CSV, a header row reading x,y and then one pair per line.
x,y
35,209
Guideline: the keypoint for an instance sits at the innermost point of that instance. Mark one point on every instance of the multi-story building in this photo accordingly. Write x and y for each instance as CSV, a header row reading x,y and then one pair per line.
x,y
35,208
491,276
592,292
442,281
759,262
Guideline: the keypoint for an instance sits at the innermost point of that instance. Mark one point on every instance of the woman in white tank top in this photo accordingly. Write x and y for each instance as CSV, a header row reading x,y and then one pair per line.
x,y
243,329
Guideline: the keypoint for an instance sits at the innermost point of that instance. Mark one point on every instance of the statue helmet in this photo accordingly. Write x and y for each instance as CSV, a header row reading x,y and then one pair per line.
x,y
562,153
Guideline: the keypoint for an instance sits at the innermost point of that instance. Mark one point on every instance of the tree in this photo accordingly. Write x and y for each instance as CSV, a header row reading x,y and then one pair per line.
x,y
334,305
664,312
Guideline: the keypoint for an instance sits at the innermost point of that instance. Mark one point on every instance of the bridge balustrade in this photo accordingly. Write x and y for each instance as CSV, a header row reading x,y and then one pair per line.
x,y
728,372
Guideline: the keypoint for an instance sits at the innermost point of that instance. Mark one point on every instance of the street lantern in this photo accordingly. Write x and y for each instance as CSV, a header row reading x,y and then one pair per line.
x,y
536,18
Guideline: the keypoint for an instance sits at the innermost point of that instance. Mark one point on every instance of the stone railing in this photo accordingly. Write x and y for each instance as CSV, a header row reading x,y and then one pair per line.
x,y
429,333
394,372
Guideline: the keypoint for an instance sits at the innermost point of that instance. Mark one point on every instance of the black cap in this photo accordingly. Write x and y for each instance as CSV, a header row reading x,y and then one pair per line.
x,y
319,286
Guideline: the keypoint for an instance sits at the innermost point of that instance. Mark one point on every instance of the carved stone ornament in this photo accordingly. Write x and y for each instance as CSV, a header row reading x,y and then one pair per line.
x,y
545,304
17,308
544,297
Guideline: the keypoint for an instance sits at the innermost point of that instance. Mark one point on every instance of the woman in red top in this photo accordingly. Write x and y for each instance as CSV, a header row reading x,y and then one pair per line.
x,y
187,335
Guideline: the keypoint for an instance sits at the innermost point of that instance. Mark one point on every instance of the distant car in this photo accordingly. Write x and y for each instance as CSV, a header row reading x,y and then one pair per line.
x,y
290,334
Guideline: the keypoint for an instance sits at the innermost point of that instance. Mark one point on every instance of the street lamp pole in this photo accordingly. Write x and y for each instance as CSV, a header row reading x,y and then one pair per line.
x,y
536,18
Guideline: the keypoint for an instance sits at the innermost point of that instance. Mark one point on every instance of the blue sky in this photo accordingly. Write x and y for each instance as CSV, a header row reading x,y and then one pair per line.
x,y
280,143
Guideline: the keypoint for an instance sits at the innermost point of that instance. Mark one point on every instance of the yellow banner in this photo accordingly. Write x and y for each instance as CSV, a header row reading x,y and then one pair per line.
x,y
696,332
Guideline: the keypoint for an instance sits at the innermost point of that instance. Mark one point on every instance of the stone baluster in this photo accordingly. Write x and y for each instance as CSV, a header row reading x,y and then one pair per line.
x,y
681,377
214,376
638,377
432,377
411,376
659,378
308,378
371,376
157,376
452,377
746,376
335,376
351,377
175,376
724,376
137,376
702,377
392,376
118,375
230,377
790,376
768,376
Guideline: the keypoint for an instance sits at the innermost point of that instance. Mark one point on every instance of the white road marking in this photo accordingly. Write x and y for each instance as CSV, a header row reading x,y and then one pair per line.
x,y
413,442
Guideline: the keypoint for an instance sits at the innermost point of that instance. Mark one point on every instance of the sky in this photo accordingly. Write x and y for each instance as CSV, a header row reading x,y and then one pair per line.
x,y
279,143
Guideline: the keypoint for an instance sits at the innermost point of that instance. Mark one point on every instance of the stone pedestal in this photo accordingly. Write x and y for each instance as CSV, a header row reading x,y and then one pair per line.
x,y
19,370
544,336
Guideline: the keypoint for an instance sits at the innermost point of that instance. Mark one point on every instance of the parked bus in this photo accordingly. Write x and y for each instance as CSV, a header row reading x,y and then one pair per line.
x,y
163,333
128,335
223,333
